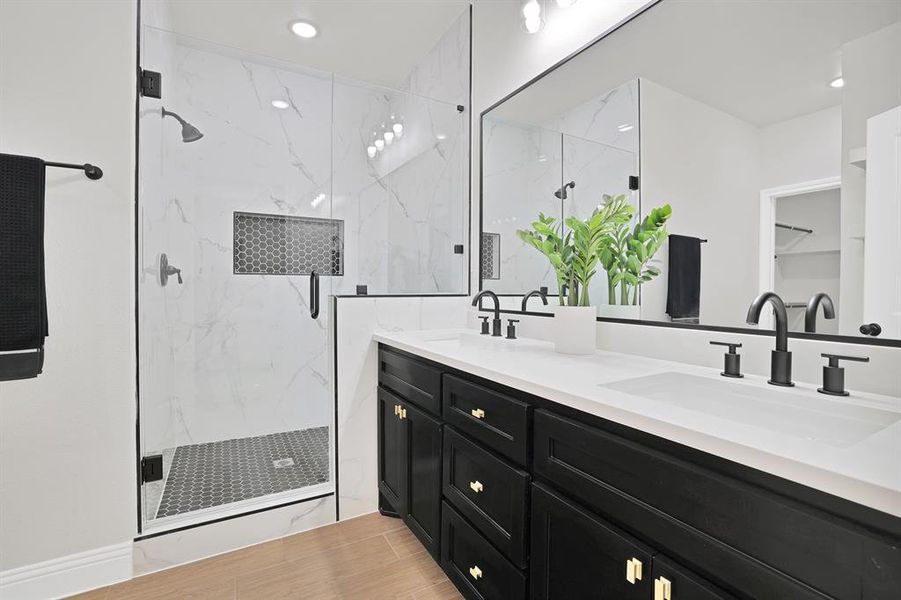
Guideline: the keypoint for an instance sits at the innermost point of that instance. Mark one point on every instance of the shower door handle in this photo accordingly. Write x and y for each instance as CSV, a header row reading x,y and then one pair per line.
x,y
314,294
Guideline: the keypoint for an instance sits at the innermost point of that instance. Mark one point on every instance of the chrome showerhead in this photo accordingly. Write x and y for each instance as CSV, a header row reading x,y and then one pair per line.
x,y
189,133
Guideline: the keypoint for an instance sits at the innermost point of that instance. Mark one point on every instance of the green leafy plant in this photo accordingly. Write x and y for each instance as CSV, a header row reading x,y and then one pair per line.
x,y
625,255
575,255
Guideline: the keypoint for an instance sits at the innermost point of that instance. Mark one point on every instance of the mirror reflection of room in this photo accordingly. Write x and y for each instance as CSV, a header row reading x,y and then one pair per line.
x,y
766,127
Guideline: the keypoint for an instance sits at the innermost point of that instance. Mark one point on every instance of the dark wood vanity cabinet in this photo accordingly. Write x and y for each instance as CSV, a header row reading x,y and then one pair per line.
x,y
574,550
409,461
520,497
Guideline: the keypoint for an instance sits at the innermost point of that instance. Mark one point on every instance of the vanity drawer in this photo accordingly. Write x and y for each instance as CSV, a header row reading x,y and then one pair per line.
x,y
752,539
493,419
492,494
478,570
415,381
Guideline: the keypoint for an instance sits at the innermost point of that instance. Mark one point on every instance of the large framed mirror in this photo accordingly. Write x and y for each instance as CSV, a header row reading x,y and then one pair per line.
x,y
771,131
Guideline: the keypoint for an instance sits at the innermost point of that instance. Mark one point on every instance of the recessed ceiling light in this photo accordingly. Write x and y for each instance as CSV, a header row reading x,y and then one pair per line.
x,y
838,82
625,127
281,104
441,137
303,29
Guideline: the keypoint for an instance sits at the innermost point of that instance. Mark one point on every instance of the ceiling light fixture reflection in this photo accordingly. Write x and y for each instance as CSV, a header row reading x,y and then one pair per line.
x,y
531,12
440,137
304,29
371,151
389,137
280,104
625,127
837,83
319,199
398,129
566,3
380,145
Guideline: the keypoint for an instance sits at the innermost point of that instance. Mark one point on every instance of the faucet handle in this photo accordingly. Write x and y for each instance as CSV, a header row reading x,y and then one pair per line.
x,y
834,358
731,359
485,330
834,375
732,345
511,328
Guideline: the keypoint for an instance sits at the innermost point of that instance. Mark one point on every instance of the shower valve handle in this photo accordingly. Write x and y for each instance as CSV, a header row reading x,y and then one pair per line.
x,y
167,271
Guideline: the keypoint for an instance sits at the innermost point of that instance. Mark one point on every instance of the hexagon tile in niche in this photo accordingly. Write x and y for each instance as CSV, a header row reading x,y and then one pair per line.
x,y
216,473
287,245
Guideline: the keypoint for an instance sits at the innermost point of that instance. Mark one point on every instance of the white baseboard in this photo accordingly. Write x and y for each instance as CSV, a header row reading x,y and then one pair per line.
x,y
68,575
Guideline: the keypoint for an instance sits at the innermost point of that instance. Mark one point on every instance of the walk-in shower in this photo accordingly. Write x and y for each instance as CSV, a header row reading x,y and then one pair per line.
x,y
277,208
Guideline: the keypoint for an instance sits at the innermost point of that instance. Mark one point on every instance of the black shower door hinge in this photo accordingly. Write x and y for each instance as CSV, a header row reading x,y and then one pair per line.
x,y
633,182
150,83
152,468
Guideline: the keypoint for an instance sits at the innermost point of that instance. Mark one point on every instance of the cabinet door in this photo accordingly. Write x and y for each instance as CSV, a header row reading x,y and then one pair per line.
x,y
673,582
423,476
392,452
577,555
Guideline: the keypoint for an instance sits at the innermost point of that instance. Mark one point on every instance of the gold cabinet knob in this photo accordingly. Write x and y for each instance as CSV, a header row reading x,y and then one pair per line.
x,y
396,409
478,413
475,572
476,486
633,570
402,413
663,589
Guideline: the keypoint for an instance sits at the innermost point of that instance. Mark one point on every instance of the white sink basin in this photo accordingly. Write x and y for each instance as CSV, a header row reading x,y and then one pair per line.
x,y
468,338
798,414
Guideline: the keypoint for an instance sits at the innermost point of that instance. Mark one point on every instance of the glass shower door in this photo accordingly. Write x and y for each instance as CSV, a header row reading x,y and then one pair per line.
x,y
238,249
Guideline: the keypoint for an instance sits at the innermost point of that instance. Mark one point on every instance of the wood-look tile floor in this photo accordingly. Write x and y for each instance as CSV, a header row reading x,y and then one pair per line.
x,y
367,558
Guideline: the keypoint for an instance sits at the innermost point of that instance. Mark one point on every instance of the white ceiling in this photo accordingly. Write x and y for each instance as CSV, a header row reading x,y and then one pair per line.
x,y
377,41
761,61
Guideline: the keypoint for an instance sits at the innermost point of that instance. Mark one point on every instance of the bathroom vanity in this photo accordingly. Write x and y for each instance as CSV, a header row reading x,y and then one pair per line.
x,y
527,474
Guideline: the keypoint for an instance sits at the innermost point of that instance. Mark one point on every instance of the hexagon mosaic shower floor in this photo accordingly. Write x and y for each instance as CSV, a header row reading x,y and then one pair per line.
x,y
216,473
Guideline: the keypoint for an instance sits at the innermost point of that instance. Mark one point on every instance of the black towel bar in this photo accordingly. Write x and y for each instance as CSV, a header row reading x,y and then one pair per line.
x,y
91,171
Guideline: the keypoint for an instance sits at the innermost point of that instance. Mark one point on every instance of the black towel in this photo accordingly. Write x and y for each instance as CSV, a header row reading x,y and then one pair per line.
x,y
23,301
683,293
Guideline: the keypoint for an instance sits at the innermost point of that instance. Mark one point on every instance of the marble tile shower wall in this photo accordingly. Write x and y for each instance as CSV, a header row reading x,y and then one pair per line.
x,y
229,356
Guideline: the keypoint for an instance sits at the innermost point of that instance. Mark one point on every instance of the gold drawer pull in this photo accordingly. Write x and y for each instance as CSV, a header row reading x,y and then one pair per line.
x,y
663,589
401,412
478,413
633,570
476,572
476,486
396,409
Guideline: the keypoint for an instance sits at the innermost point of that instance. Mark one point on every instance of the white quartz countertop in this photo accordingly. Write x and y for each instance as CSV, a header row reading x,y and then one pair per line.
x,y
846,446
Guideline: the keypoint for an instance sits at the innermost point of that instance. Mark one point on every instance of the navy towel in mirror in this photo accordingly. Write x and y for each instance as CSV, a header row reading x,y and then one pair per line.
x,y
683,294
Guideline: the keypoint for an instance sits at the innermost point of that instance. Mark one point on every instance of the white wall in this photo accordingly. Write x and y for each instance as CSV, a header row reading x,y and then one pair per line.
x,y
703,162
805,148
67,438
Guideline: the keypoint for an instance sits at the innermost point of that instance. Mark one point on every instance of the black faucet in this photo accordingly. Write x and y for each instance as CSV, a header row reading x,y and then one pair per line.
x,y
540,293
496,323
810,314
780,358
